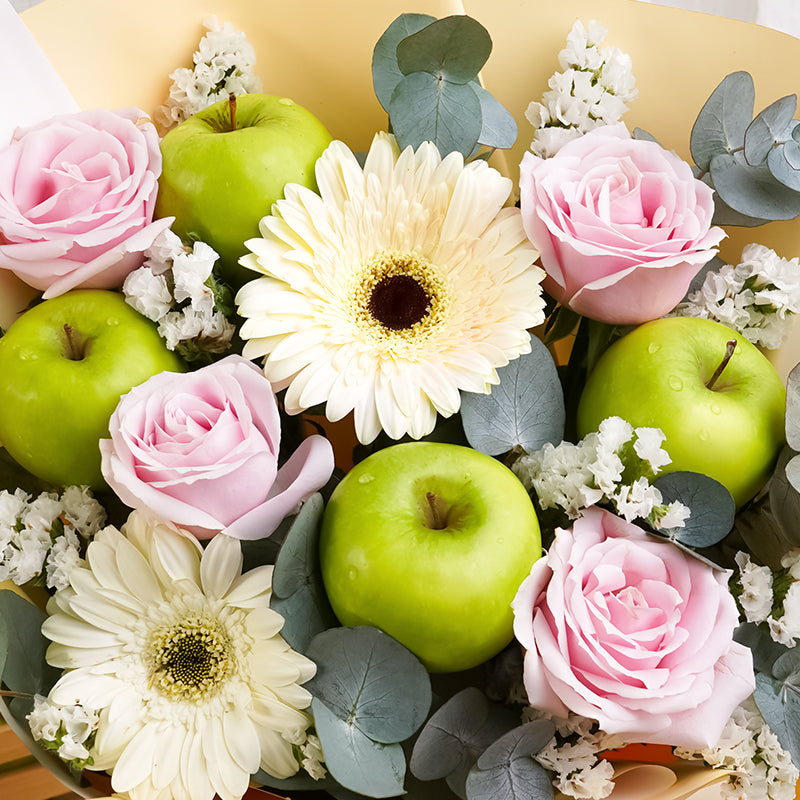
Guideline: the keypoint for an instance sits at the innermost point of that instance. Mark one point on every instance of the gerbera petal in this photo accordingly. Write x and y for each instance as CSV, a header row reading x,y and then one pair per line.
x,y
391,270
174,722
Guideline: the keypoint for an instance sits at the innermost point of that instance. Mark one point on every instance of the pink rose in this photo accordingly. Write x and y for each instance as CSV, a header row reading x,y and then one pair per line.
x,y
200,450
631,631
77,194
622,225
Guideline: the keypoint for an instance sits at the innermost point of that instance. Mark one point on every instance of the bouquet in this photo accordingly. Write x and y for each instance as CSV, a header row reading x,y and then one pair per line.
x,y
371,473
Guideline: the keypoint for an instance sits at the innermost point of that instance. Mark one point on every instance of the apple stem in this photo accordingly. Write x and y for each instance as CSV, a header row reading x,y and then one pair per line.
x,y
731,346
437,519
76,347
232,109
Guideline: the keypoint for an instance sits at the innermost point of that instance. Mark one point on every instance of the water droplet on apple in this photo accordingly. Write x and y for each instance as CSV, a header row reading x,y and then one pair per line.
x,y
703,435
715,409
285,101
675,383
112,322
28,355
352,573
366,478
653,348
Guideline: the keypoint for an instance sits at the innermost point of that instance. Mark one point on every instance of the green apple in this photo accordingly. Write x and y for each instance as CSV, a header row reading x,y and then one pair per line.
x,y
63,366
226,165
660,375
429,542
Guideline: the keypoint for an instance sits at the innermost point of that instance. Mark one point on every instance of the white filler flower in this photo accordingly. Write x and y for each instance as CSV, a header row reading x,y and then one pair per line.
x,y
397,286
182,656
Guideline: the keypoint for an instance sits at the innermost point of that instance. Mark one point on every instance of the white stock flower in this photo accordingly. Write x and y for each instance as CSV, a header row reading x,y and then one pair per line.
x,y
397,286
224,64
757,297
756,581
593,88
182,656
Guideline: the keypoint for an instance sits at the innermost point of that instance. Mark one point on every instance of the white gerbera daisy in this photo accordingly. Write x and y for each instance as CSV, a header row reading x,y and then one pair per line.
x,y
180,654
397,286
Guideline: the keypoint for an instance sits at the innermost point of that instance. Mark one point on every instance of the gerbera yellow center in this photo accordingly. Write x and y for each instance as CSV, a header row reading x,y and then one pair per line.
x,y
398,297
191,658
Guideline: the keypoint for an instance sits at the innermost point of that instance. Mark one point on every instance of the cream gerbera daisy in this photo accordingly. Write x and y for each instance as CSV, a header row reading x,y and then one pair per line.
x,y
180,654
395,287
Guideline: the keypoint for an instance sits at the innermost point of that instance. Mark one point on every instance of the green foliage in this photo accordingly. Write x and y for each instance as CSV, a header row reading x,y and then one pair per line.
x,y
713,510
456,735
298,592
526,409
370,694
425,75
507,770
753,164
778,698
25,669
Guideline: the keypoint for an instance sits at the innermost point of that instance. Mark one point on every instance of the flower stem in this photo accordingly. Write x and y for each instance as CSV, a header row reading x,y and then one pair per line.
x,y
731,346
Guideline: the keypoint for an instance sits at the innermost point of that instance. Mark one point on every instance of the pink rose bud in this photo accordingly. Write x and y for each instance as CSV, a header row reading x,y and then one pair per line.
x,y
629,630
200,450
622,225
77,194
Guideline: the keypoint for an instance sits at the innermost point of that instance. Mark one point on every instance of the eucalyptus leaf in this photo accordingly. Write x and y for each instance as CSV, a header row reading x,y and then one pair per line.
x,y
25,669
3,644
791,152
453,49
506,770
778,699
793,408
525,409
456,735
752,190
641,133
767,129
425,108
721,124
370,680
385,72
356,761
724,215
498,127
793,472
712,507
765,650
784,164
299,594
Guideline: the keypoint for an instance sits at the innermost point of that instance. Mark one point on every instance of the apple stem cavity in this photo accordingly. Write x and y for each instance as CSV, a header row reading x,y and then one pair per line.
x,y
76,346
438,511
232,110
731,346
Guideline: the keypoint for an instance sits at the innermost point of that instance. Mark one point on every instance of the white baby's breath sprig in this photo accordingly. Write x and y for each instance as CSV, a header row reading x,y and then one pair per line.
x,y
612,466
176,288
770,597
223,65
763,769
68,730
43,538
757,297
573,755
593,88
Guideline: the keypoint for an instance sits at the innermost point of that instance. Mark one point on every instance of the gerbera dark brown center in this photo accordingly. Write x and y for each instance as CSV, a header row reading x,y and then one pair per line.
x,y
399,301
190,658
